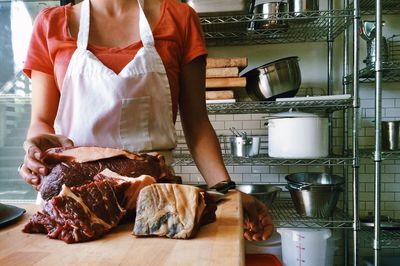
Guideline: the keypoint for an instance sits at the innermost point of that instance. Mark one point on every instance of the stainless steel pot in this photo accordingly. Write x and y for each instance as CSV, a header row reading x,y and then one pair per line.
x,y
280,78
390,135
270,13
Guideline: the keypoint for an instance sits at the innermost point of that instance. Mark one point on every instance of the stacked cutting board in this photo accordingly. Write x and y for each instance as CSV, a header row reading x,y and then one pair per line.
x,y
222,78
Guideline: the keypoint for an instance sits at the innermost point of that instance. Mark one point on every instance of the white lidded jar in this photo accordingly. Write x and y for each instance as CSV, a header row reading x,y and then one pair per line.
x,y
306,247
297,135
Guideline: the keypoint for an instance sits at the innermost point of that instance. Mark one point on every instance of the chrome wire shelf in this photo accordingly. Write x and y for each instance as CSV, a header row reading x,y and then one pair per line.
x,y
389,238
386,155
284,215
186,159
274,106
290,27
390,73
388,7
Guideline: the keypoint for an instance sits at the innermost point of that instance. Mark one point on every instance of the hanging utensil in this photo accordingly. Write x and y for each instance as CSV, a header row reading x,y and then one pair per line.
x,y
235,132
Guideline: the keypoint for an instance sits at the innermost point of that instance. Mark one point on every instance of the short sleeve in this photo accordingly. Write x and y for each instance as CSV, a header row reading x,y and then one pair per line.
x,y
38,55
194,44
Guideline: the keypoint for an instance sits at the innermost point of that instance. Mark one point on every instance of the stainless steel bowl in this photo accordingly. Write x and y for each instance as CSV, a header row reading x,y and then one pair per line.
x,y
312,203
314,194
280,78
265,193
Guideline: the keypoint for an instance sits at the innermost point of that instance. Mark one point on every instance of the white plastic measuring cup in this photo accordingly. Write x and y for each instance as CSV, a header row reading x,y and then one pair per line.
x,y
306,247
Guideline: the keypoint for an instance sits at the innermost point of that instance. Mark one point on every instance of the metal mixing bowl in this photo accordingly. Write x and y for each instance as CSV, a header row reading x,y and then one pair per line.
x,y
277,79
265,193
314,194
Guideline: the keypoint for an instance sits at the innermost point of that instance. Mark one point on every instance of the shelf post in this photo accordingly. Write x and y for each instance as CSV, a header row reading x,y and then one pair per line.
x,y
355,129
378,119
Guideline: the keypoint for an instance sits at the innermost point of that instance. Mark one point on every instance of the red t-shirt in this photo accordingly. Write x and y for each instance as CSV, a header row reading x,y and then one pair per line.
x,y
178,39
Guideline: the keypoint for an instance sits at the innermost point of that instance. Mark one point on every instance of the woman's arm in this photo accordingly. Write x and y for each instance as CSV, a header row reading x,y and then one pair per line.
x,y
45,98
204,147
199,133
40,136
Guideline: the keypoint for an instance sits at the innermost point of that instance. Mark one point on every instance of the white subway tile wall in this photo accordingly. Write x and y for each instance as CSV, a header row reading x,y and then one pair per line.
x,y
253,124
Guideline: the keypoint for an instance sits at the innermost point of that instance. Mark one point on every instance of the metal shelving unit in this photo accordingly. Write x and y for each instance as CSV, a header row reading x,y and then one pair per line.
x,y
328,106
320,26
286,28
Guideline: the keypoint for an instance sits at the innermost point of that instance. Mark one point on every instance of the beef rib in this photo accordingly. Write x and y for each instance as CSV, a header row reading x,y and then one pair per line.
x,y
78,214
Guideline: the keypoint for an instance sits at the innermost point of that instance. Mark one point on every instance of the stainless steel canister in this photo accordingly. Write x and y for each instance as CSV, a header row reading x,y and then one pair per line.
x,y
391,135
299,6
245,146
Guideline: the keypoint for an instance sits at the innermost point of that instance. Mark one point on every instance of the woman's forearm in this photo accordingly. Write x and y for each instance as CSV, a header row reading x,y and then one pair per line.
x,y
37,128
205,149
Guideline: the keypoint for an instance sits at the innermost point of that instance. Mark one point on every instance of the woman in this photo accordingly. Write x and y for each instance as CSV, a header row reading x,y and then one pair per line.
x,y
113,73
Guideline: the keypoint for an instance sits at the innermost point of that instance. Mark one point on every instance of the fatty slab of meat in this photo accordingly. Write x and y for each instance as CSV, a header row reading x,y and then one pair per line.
x,y
78,214
172,210
126,188
76,166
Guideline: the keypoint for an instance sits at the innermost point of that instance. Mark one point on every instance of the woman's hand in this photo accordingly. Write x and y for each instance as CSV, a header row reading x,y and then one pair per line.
x,y
33,168
257,220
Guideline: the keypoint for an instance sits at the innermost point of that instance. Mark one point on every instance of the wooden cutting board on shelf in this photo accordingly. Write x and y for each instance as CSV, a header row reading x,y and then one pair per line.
x,y
214,62
219,243
216,83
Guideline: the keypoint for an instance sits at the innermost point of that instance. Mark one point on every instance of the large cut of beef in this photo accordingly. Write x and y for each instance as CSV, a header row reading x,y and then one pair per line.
x,y
76,166
78,214
173,210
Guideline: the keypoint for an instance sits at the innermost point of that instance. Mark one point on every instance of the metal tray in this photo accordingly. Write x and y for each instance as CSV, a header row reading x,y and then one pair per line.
x,y
219,7
9,214
387,223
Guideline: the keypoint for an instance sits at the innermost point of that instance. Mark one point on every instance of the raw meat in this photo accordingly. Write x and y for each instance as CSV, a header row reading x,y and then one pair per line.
x,y
172,210
77,166
78,214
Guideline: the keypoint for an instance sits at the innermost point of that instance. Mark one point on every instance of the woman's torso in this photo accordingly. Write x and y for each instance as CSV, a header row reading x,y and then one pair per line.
x,y
177,33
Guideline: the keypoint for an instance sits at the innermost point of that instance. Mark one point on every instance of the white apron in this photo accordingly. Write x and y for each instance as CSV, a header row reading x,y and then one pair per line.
x,y
130,110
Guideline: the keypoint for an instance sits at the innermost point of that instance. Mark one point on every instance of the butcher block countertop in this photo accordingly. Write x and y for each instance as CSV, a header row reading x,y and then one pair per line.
x,y
219,243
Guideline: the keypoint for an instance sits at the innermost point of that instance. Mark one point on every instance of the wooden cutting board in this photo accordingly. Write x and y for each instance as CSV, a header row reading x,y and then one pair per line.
x,y
222,72
214,62
216,83
219,243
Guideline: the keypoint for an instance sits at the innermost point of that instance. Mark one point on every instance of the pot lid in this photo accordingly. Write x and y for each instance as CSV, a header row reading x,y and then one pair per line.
x,y
292,114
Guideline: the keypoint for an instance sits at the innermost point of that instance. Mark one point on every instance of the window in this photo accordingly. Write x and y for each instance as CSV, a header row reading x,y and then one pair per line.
x,y
16,19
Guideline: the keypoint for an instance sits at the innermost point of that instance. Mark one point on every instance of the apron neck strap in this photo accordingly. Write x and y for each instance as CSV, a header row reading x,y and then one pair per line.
x,y
144,27
146,34
84,25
